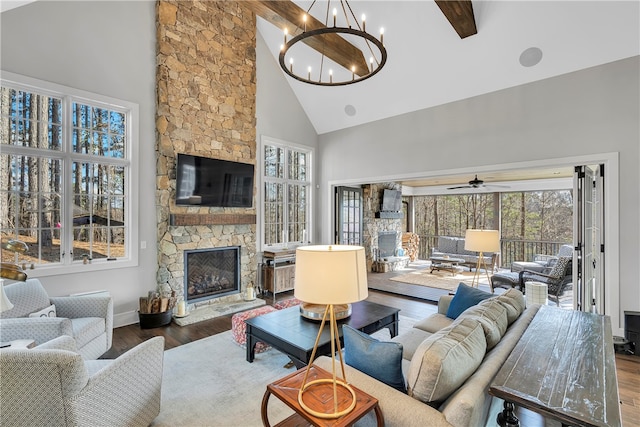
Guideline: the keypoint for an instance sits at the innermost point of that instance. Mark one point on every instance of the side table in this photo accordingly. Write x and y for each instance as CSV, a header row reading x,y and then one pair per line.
x,y
20,344
286,389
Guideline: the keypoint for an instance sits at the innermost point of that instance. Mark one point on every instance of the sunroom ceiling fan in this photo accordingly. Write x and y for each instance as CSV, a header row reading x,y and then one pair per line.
x,y
477,183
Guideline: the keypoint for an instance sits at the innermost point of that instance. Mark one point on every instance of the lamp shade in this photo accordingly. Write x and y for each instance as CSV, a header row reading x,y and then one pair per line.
x,y
331,274
482,240
5,304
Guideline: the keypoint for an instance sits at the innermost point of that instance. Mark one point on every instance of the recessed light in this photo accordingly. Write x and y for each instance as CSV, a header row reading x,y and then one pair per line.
x,y
350,110
530,57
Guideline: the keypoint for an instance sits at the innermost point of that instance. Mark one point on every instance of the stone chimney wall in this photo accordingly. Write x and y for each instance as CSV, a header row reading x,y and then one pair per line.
x,y
371,226
206,98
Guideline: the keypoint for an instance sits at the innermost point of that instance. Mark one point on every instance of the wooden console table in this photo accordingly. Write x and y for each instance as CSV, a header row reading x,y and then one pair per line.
x,y
279,269
563,368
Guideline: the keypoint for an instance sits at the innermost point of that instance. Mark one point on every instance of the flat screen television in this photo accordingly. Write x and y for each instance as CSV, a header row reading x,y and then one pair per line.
x,y
391,201
204,181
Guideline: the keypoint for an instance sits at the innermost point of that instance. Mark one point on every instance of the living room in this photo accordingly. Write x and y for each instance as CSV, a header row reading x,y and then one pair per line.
x,y
582,116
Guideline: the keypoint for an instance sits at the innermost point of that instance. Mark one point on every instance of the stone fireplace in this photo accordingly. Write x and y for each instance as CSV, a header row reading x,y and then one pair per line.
x,y
206,96
211,273
381,236
387,244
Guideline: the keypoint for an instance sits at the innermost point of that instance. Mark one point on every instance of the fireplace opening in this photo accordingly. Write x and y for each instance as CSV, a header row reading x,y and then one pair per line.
x,y
387,243
211,273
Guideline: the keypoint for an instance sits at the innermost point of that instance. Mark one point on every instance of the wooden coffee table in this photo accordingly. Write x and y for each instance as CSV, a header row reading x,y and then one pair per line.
x,y
292,334
286,389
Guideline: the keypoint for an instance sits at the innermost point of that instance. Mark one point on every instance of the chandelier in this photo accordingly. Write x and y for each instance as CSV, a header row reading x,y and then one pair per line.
x,y
342,45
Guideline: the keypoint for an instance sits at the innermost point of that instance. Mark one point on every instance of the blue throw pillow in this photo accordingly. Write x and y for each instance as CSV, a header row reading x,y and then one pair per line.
x,y
465,297
378,359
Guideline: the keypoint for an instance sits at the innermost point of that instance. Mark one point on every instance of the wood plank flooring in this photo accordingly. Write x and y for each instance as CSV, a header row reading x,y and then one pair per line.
x,y
627,367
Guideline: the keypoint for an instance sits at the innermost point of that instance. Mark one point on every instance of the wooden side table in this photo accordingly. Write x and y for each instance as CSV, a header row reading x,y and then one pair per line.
x,y
286,389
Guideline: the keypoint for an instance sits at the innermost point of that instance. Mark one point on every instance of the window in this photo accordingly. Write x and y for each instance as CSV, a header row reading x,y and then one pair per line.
x,y
286,195
65,177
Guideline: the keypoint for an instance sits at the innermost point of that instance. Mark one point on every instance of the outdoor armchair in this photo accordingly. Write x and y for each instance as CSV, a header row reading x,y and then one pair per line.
x,y
51,385
557,280
88,319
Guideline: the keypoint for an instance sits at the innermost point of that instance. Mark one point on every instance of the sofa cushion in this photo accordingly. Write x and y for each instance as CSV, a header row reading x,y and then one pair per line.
x,y
448,244
465,297
513,301
433,323
492,316
444,361
85,329
410,341
381,360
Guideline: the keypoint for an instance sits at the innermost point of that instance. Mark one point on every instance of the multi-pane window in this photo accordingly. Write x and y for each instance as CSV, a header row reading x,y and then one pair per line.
x,y
286,196
65,165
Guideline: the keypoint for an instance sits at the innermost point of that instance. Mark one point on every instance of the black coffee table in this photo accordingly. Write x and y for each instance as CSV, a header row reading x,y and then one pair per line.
x,y
292,334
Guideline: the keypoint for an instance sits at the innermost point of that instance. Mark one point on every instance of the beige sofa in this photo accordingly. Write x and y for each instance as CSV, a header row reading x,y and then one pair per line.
x,y
446,364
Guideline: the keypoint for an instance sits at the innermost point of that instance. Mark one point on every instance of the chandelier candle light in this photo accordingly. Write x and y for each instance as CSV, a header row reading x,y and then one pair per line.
x,y
331,275
324,38
481,241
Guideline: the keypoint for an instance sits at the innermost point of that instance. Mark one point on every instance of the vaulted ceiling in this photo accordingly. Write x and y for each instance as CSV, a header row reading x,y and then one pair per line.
x,y
429,64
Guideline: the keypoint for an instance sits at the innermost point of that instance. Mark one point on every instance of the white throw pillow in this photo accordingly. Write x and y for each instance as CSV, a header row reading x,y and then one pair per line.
x,y
45,312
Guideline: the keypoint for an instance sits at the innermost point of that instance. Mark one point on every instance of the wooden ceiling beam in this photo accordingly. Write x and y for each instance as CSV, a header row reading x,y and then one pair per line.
x,y
460,16
285,14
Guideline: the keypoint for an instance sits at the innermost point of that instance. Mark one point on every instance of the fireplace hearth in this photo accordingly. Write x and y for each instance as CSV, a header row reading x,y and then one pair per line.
x,y
211,273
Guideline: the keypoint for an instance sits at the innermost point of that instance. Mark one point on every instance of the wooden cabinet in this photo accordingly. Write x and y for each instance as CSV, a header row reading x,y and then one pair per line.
x,y
278,271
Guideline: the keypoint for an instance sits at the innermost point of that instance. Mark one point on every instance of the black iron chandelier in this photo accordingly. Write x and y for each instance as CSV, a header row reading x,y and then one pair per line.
x,y
341,46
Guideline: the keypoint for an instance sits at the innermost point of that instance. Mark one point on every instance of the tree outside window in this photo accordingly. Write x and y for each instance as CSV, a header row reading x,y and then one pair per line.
x,y
64,177
286,195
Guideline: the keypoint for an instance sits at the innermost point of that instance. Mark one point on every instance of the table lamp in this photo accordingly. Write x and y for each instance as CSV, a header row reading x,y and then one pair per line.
x,y
330,275
7,269
481,241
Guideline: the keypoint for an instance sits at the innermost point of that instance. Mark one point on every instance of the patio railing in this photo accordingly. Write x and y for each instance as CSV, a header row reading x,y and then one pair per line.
x,y
510,249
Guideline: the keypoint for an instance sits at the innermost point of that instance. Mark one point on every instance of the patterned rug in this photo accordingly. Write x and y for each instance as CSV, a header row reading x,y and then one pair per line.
x,y
209,383
437,279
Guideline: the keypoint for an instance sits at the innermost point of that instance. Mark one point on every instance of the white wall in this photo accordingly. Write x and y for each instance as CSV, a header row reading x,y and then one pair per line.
x,y
106,48
109,48
581,114
279,114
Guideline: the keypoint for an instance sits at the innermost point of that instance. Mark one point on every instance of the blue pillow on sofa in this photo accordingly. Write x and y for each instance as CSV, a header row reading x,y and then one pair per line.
x,y
465,297
378,359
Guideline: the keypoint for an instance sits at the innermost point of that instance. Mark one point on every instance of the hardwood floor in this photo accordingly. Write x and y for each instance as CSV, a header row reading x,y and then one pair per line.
x,y
627,367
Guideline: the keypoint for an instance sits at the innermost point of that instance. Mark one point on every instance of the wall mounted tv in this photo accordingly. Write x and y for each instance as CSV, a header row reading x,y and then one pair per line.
x,y
204,181
391,201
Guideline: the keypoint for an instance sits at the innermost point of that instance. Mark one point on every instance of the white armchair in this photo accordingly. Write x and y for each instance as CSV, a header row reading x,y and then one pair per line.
x,y
89,320
51,385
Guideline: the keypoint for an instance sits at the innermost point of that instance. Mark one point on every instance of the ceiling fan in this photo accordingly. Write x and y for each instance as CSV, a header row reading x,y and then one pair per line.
x,y
477,183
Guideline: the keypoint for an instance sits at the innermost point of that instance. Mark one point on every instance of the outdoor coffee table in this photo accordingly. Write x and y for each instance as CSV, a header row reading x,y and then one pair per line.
x,y
448,264
287,331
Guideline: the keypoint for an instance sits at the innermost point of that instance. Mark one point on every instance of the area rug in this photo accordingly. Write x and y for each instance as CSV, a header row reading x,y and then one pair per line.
x,y
209,383
438,279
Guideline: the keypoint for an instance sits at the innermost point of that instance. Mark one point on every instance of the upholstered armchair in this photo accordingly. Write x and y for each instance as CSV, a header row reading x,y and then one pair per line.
x,y
88,319
52,385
